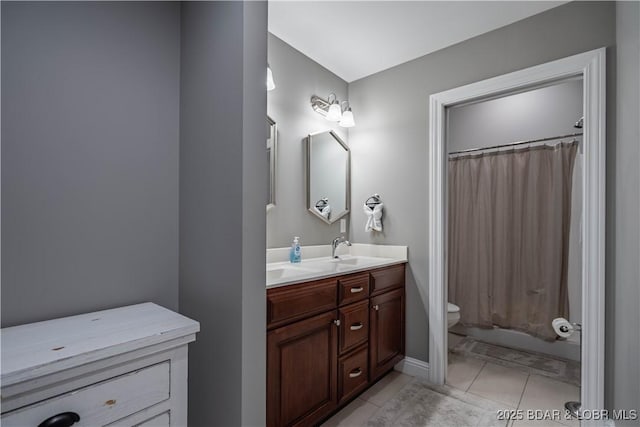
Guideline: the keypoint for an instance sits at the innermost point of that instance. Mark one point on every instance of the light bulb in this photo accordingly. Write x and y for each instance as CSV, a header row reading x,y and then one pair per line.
x,y
335,112
271,85
347,119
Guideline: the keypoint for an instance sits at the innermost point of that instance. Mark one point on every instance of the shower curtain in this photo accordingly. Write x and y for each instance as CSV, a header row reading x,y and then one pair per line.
x,y
509,216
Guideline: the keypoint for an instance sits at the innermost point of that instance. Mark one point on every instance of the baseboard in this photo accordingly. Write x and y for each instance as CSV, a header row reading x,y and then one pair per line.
x,y
413,367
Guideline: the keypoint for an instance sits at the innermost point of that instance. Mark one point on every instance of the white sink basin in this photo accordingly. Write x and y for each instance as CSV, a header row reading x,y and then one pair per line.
x,y
288,271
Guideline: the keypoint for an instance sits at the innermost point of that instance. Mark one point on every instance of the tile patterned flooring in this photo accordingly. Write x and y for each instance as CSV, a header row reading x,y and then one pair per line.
x,y
476,389
359,411
533,363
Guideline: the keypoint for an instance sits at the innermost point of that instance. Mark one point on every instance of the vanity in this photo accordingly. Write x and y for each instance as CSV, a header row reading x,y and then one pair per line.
x,y
335,321
334,327
126,366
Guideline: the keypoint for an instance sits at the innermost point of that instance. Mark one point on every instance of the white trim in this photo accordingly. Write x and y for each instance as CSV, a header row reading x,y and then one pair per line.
x,y
413,367
591,67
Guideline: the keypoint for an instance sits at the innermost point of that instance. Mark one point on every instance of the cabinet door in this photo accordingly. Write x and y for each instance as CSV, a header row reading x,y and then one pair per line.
x,y
386,324
302,375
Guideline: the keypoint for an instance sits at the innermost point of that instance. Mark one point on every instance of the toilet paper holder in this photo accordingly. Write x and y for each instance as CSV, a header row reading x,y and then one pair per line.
x,y
564,328
576,327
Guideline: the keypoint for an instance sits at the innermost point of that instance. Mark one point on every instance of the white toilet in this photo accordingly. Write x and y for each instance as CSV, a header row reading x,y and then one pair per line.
x,y
453,314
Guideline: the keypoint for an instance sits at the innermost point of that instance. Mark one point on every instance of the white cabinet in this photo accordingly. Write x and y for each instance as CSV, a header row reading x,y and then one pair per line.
x,y
124,367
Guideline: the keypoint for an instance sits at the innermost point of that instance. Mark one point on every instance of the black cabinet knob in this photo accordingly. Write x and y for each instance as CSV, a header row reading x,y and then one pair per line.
x,y
64,419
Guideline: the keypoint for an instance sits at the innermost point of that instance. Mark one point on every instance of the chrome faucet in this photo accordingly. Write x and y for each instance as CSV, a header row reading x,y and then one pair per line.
x,y
337,242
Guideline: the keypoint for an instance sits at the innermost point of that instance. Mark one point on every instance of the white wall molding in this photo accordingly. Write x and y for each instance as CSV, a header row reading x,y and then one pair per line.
x,y
413,367
591,67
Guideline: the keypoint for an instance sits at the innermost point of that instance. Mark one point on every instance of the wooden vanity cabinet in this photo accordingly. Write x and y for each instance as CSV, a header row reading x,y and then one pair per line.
x,y
330,339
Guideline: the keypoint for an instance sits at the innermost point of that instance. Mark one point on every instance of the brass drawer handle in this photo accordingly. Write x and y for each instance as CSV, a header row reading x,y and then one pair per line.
x,y
356,290
355,373
356,326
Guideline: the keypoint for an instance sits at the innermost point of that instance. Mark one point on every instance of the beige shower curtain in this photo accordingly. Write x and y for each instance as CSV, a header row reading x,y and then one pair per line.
x,y
509,215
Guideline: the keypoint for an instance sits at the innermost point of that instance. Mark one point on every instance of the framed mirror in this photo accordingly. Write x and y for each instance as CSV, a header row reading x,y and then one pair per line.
x,y
272,149
328,176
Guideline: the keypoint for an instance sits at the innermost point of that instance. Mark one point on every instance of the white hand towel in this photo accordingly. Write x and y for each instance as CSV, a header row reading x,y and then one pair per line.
x,y
324,211
374,217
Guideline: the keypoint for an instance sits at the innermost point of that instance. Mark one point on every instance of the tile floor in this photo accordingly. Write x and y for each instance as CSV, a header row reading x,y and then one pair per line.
x,y
470,382
513,388
359,411
567,371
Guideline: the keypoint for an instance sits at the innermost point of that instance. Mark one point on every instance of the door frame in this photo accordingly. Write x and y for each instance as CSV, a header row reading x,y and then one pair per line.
x,y
591,67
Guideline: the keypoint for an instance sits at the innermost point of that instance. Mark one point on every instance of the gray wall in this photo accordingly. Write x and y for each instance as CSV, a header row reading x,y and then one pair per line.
x,y
90,103
389,143
543,112
547,111
297,77
622,375
222,223
254,294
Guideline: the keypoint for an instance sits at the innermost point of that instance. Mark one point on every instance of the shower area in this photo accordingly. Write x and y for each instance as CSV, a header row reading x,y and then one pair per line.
x,y
514,249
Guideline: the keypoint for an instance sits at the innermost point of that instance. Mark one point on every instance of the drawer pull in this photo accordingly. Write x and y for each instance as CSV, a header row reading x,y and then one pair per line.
x,y
376,307
64,419
355,373
356,290
356,326
337,322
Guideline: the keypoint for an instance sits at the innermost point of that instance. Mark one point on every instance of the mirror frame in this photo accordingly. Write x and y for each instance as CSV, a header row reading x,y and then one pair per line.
x,y
273,161
347,179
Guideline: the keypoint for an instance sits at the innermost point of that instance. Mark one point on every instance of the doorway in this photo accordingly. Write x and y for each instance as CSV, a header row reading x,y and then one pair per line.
x,y
588,66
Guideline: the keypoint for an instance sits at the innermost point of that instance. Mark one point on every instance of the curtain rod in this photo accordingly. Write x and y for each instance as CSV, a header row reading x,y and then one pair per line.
x,y
550,138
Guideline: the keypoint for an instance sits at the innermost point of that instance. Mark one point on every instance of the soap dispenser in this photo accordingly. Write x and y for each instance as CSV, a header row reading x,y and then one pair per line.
x,y
295,255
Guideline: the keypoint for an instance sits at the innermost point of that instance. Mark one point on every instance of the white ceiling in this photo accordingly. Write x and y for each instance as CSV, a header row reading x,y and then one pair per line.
x,y
355,39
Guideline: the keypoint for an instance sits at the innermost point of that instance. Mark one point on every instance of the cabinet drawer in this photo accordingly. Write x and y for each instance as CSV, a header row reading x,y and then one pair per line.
x,y
290,303
387,278
101,403
354,325
352,288
353,374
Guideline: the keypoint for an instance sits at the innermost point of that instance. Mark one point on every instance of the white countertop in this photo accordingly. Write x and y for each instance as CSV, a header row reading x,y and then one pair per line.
x,y
318,264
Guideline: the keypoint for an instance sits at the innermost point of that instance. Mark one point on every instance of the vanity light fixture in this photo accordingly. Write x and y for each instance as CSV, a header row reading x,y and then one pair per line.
x,y
331,109
271,85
